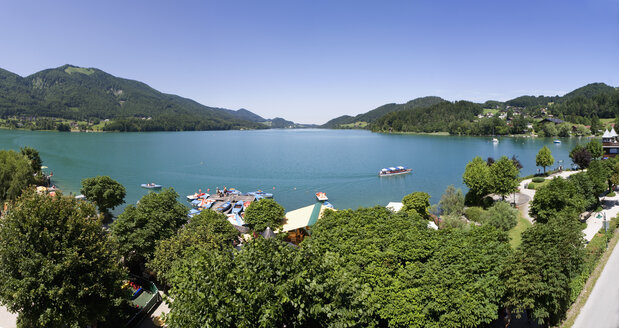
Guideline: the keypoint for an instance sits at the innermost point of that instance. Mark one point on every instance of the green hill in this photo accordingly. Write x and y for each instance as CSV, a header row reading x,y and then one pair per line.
x,y
77,93
376,113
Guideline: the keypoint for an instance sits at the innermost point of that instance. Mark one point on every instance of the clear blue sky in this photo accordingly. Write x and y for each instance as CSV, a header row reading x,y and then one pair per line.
x,y
310,61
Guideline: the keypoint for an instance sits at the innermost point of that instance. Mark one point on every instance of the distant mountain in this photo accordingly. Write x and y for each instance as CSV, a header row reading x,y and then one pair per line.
x,y
79,93
376,113
589,91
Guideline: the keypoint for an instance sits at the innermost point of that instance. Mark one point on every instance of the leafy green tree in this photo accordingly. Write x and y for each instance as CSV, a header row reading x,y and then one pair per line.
x,y
452,201
564,130
504,175
581,156
264,213
544,158
33,155
558,196
266,284
58,269
417,203
595,148
15,174
585,187
549,130
501,216
411,269
140,227
104,191
600,173
477,177
207,230
537,276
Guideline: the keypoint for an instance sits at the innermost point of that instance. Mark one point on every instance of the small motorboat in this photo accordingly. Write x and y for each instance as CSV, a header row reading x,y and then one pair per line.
x,y
239,219
264,194
557,141
495,140
259,196
238,207
151,185
223,207
322,196
207,204
195,203
195,196
327,204
193,212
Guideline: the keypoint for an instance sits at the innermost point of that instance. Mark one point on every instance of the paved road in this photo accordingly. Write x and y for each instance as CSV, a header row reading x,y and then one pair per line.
x,y
602,307
7,319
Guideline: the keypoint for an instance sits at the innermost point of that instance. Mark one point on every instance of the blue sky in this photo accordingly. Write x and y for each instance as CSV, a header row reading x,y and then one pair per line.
x,y
310,61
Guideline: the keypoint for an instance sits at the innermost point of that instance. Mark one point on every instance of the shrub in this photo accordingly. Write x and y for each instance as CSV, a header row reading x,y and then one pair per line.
x,y
474,213
612,194
501,216
538,179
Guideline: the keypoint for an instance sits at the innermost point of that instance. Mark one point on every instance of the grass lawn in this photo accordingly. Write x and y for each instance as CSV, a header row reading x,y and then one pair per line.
x,y
537,185
515,235
490,110
355,125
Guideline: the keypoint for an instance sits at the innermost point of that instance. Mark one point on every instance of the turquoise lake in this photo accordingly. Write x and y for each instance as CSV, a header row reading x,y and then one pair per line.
x,y
292,164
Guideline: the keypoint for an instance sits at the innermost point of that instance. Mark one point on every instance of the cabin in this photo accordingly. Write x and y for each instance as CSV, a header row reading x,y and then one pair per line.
x,y
551,120
610,143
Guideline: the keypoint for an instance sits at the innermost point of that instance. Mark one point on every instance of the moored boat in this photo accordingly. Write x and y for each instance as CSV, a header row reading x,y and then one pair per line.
x,y
223,207
394,171
322,196
557,141
495,140
238,207
151,185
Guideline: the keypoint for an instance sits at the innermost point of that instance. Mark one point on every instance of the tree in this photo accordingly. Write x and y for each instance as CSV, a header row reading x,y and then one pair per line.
x,y
600,173
15,174
581,156
477,177
501,216
503,175
544,158
564,130
266,284
140,227
537,276
34,158
264,213
452,201
585,187
208,230
105,192
595,148
57,264
558,196
417,203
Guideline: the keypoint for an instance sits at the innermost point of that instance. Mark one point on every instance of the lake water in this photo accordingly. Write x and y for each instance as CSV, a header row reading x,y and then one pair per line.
x,y
292,164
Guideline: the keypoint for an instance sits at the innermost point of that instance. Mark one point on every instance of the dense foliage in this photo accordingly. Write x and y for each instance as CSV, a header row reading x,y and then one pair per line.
x,y
140,227
16,174
417,203
432,119
501,216
208,230
264,213
418,277
104,192
558,198
56,264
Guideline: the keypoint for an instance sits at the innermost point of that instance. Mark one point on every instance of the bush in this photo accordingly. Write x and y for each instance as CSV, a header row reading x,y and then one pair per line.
x,y
501,216
474,214
612,194
538,179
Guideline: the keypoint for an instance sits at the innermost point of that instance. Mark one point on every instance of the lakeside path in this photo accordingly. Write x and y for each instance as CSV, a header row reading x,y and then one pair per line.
x,y
610,206
602,307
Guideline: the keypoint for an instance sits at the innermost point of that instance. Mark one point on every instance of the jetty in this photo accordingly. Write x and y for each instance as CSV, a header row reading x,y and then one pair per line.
x,y
232,198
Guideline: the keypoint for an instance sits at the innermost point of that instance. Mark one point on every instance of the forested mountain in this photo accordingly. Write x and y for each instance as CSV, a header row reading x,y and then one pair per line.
x,y
428,119
376,113
87,93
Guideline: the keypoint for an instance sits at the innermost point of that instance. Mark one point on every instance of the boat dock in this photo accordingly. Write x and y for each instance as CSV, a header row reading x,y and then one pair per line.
x,y
232,198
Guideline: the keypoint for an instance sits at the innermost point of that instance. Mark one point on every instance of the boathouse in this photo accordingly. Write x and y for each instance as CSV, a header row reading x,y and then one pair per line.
x,y
610,143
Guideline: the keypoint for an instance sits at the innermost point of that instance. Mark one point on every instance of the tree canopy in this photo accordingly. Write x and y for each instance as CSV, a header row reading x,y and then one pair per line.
x,y
558,198
264,213
544,158
57,267
104,191
140,227
504,175
16,174
477,177
417,203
